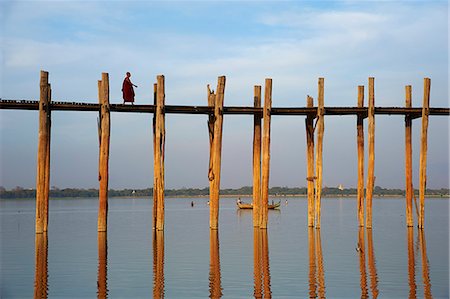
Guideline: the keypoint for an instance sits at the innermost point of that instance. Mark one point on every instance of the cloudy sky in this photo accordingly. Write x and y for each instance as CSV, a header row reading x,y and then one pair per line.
x,y
194,42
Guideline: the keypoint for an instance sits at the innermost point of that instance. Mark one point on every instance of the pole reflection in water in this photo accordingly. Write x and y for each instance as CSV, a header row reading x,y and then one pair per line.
x,y
261,268
158,264
41,271
215,287
102,285
316,272
425,265
362,263
411,263
372,265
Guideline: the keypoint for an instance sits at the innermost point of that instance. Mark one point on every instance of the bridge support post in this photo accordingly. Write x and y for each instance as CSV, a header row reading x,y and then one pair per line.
x,y
319,149
256,158
371,144
423,150
103,171
360,145
309,123
43,157
409,191
266,154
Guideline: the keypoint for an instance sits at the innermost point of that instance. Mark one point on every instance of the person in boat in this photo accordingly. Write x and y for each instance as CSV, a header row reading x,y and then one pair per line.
x,y
239,200
127,89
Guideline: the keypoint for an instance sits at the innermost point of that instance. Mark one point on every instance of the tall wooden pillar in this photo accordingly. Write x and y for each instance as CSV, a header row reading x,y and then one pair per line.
x,y
360,145
319,148
408,159
423,150
266,154
103,172
371,162
214,192
43,156
257,158
309,124
158,145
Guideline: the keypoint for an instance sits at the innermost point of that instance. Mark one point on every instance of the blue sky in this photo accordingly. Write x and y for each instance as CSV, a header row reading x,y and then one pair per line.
x,y
194,42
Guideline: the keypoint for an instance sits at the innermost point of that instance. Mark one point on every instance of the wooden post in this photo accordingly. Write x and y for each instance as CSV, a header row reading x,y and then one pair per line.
x,y
41,266
155,196
158,264
423,150
266,154
214,193
371,144
408,159
43,156
309,124
159,143
103,172
215,286
360,144
211,118
257,158
319,149
102,279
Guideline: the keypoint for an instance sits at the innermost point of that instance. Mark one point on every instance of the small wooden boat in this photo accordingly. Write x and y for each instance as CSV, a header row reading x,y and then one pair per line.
x,y
243,205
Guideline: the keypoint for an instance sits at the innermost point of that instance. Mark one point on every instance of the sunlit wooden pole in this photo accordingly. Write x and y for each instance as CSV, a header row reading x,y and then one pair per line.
x,y
103,172
360,145
371,144
319,149
266,153
214,192
309,124
408,159
257,158
423,150
43,155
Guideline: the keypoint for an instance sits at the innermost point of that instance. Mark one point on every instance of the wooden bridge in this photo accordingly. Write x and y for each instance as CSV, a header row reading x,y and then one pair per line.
x,y
314,124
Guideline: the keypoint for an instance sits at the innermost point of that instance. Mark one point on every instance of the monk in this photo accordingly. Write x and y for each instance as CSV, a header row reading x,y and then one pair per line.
x,y
127,90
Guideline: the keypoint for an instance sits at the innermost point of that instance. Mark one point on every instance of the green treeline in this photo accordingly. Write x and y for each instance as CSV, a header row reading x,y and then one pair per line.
x,y
20,192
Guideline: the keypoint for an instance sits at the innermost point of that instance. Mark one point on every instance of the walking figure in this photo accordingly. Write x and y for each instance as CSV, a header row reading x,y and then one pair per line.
x,y
127,89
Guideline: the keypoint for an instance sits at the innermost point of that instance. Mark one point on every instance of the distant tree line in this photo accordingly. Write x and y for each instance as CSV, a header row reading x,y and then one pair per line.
x,y
55,192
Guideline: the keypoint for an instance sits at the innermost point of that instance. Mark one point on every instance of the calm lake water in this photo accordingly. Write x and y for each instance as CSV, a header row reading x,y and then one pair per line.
x,y
189,261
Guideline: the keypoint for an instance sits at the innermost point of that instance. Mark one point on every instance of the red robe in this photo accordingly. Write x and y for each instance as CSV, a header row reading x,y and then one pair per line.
x,y
127,90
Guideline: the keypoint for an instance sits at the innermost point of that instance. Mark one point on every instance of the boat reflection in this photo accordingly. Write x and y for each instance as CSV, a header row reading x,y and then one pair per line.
x,y
361,248
316,272
41,266
215,286
261,268
102,285
158,264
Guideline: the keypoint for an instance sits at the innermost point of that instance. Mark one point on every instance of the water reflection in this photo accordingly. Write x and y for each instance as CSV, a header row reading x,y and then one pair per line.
x,y
425,265
215,287
361,248
261,268
158,264
102,285
316,272
41,271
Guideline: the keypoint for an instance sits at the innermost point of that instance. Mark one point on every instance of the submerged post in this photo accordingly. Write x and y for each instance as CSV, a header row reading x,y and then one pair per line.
x,y
371,143
103,171
159,142
266,154
43,156
319,149
257,158
214,192
423,150
360,145
408,159
309,124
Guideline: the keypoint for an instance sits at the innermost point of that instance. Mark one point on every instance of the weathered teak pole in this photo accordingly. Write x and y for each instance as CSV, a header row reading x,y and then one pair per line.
x,y
423,149
211,103
371,162
266,154
360,145
41,266
102,277
309,124
159,143
214,192
103,171
257,158
155,203
43,156
408,159
319,148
